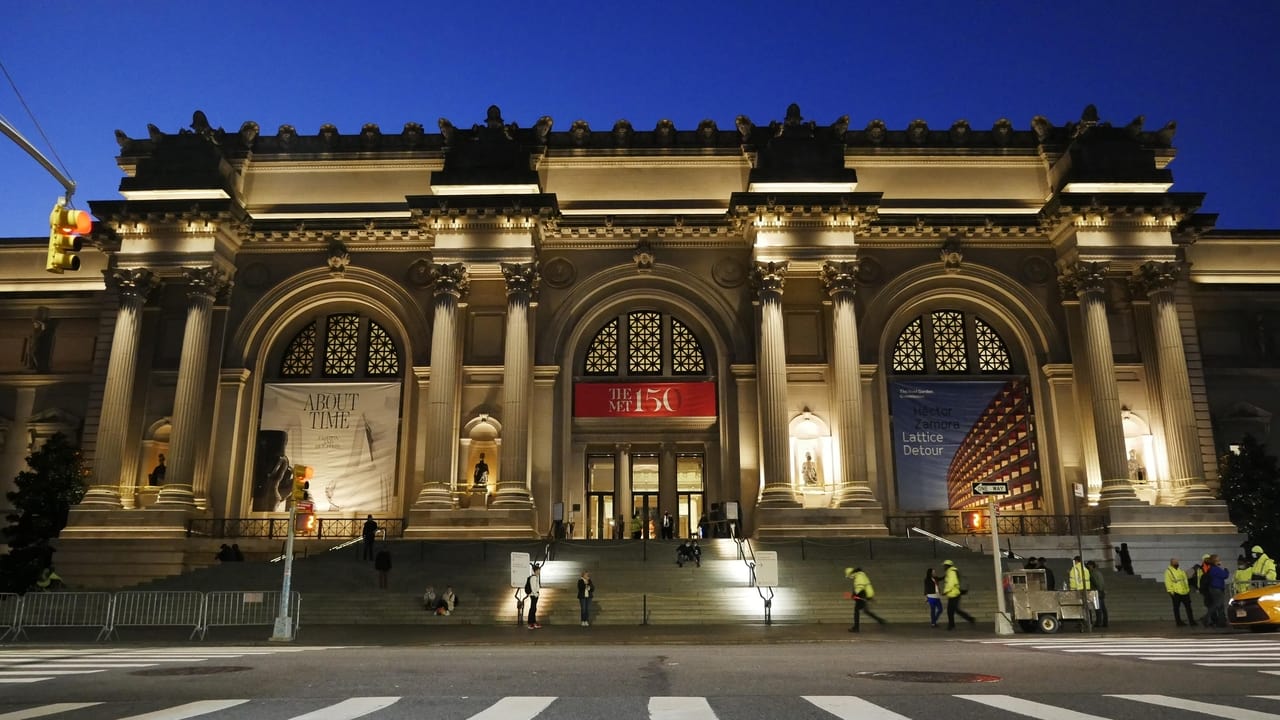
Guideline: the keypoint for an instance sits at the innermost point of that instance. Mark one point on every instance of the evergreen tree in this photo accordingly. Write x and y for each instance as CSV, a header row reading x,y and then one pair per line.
x,y
1251,489
53,482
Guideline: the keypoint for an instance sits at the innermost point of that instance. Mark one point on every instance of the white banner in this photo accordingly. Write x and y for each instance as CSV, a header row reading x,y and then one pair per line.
x,y
347,432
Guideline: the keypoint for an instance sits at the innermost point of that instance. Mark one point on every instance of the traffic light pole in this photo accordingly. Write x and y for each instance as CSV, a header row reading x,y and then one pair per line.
x,y
12,133
1003,625
284,624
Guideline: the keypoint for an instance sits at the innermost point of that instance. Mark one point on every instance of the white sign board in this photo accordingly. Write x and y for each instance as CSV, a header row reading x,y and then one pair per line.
x,y
520,569
766,568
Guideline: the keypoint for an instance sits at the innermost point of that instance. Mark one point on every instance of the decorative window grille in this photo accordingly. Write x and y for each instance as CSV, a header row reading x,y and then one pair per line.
x,y
299,357
383,358
652,343
602,356
348,339
341,345
908,353
948,342
993,356
644,343
687,357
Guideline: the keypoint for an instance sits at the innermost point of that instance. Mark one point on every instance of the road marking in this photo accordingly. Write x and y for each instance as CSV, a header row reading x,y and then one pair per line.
x,y
514,708
24,680
1029,708
1225,711
8,672
43,710
192,709
850,708
350,708
680,708
1240,664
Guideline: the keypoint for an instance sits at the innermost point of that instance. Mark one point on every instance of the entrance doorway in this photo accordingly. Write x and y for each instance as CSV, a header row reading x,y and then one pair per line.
x,y
602,524
644,493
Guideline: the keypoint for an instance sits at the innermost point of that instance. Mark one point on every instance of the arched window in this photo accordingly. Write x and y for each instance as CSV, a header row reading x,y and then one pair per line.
x,y
950,342
340,345
644,343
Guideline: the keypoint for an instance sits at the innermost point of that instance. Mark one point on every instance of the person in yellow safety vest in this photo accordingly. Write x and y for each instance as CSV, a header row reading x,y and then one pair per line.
x,y
862,593
1243,578
1078,577
1264,568
952,589
1179,589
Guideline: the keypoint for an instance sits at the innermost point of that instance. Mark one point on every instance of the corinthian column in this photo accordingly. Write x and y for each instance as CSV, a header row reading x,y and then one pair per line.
x,y
513,475
840,282
132,286
1087,280
450,287
768,279
204,285
1159,279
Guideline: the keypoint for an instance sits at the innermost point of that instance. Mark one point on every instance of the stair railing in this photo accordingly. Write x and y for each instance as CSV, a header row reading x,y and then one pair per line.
x,y
748,556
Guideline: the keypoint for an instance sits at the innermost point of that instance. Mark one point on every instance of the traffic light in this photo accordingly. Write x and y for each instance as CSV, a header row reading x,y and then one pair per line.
x,y
974,520
302,475
65,228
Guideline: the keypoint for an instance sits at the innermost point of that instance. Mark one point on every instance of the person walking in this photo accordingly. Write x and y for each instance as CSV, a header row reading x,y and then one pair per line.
x,y
668,526
1126,560
862,593
586,591
533,586
1101,618
369,534
933,597
1179,589
382,563
952,590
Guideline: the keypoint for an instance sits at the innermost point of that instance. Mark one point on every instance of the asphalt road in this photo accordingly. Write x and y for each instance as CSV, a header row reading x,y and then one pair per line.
x,y
1064,677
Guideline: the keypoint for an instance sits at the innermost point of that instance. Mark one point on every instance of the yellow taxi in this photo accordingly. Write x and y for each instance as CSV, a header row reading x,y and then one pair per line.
x,y
1257,609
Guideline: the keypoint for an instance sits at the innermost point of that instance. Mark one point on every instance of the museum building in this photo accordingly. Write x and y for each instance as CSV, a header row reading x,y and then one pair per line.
x,y
496,331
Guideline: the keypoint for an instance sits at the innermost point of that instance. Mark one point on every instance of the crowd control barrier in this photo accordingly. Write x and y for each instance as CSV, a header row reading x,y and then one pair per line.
x,y
64,610
153,609
10,609
230,609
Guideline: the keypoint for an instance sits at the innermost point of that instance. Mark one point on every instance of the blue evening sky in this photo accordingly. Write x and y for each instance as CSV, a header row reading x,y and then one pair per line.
x,y
87,67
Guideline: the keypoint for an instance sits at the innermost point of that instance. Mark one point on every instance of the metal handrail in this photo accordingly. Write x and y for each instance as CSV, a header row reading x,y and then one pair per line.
x,y
931,536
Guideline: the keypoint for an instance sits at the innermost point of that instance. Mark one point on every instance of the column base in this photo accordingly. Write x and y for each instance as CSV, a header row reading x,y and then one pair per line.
x,y
779,523
471,524
778,496
175,497
1193,491
150,524
434,497
516,498
101,497
1119,493
856,496
1207,519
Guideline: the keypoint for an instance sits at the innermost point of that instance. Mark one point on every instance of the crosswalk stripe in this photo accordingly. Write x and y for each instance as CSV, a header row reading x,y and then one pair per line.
x,y
1270,672
847,707
43,710
1263,697
1029,708
25,680
191,709
514,708
1225,711
1237,664
8,672
349,708
680,708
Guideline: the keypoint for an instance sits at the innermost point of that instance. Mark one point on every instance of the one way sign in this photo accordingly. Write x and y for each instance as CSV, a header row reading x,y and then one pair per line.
x,y
991,488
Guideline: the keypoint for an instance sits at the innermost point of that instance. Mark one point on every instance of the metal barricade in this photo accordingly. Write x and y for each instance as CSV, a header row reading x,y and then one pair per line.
x,y
65,609
242,608
154,609
10,611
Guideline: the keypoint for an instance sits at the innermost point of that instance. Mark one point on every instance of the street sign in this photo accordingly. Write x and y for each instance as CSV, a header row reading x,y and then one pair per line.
x,y
990,488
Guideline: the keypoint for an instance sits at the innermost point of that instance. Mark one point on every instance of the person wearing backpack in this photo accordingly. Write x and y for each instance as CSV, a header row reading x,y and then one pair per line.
x,y
532,587
862,593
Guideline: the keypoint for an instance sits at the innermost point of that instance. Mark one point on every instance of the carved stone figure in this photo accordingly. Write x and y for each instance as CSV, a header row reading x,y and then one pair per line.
x,y
1002,132
622,132
328,135
248,133
542,128
959,132
1166,133
839,128
1042,126
480,476
1134,128
744,128
643,256
809,470
918,131
665,133
876,130
412,134
286,135
1137,473
579,133
370,136
447,131
339,256
121,138
708,132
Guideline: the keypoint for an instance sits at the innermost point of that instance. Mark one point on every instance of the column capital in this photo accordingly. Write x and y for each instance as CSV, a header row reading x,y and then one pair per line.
x,y
768,277
1155,277
522,279
132,283
1083,277
206,283
840,276
450,279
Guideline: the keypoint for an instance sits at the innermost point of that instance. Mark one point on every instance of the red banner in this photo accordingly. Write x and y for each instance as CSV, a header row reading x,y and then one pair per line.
x,y
659,399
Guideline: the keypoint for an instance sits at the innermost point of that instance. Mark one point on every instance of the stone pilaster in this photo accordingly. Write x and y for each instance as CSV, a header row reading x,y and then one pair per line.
x,y
517,377
840,282
1087,281
1158,280
132,286
204,285
451,283
768,279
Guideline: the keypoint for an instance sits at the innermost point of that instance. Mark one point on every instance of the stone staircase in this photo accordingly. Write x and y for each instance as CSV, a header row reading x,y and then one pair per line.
x,y
637,582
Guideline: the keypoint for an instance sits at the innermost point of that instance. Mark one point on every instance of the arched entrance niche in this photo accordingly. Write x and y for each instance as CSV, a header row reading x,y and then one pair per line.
x,y
962,393
361,314
650,429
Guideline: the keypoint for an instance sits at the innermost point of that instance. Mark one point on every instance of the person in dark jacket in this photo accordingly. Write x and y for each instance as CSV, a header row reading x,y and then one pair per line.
x,y
382,563
586,591
933,596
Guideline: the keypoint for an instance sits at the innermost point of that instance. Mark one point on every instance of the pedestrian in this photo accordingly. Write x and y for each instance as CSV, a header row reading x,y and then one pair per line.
x,y
1101,618
1178,586
636,530
1219,579
1264,568
704,526
1243,579
236,554
382,563
1202,580
586,591
448,601
1049,582
430,599
1126,562
533,586
224,553
862,594
668,526
952,589
684,553
369,534
933,597
1078,577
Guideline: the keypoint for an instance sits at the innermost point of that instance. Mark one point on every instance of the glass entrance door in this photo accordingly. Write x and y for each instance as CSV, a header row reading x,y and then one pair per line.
x,y
644,493
690,481
601,523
